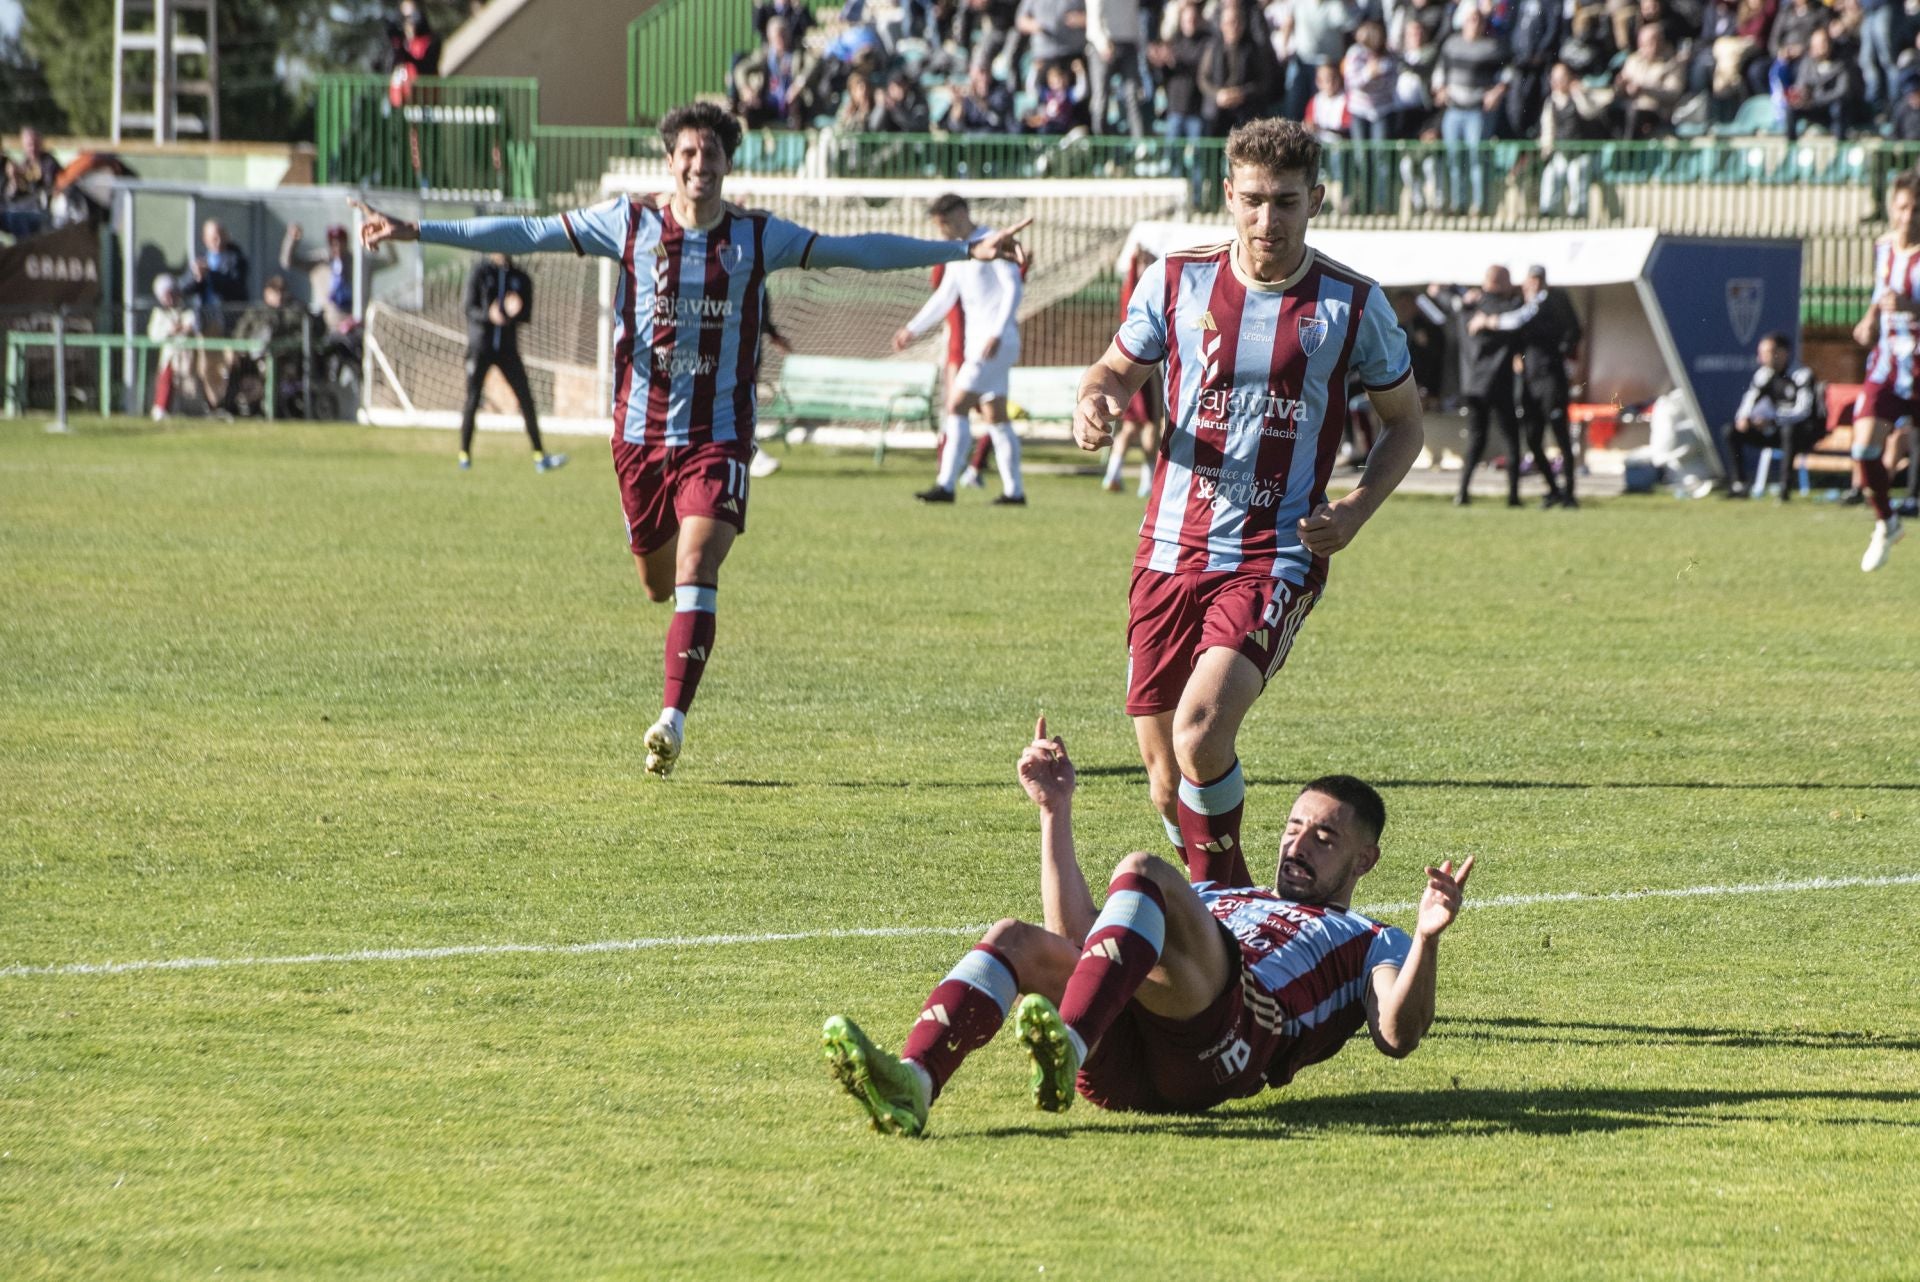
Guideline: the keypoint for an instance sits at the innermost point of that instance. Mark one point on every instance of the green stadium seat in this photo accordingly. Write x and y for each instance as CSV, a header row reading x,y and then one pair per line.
x,y
1754,117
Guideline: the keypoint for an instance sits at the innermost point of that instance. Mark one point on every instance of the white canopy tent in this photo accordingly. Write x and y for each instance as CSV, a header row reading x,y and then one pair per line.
x,y
1661,313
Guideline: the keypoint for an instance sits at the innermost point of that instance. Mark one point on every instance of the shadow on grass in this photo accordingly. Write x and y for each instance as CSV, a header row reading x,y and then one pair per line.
x,y
1460,1112
1517,1028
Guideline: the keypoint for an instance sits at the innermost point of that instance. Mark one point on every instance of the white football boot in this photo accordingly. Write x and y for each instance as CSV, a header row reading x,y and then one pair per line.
x,y
663,748
1885,534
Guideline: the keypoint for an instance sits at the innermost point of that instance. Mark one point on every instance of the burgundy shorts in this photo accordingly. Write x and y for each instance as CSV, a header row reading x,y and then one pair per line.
x,y
1173,619
663,485
1146,1063
1877,400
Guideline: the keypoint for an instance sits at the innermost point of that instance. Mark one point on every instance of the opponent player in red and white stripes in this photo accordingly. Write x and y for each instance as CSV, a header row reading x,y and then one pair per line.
x,y
1892,390
687,334
1172,997
1256,338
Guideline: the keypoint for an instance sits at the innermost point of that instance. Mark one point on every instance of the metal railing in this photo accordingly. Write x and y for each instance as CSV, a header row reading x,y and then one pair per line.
x,y
17,343
681,49
458,138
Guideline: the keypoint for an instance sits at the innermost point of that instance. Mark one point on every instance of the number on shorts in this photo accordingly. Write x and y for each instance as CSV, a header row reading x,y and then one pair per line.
x,y
736,479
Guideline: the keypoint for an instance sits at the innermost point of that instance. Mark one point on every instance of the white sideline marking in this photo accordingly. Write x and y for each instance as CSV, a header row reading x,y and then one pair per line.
x,y
889,932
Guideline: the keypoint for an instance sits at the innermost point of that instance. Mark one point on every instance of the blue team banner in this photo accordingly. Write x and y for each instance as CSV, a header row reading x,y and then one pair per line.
x,y
1719,298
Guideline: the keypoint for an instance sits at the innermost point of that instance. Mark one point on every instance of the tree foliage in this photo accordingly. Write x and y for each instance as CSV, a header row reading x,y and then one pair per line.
x,y
270,51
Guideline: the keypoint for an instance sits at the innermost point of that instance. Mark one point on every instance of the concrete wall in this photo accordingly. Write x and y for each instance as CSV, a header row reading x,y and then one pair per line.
x,y
577,48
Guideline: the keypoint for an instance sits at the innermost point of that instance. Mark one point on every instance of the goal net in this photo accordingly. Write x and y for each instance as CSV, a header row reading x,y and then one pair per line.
x,y
414,368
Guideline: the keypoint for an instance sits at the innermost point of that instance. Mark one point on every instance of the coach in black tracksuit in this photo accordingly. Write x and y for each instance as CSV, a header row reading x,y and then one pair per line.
x,y
1487,379
1549,332
499,302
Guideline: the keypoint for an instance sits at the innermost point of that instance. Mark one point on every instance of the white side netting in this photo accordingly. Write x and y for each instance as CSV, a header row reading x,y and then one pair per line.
x,y
414,367
415,363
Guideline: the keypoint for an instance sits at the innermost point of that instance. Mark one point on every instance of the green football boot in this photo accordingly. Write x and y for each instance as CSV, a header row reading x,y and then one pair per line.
x,y
893,1095
1055,1064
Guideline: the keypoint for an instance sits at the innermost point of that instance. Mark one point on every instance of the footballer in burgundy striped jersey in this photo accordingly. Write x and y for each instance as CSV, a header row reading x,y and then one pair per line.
x,y
1892,390
687,331
1256,338
1172,997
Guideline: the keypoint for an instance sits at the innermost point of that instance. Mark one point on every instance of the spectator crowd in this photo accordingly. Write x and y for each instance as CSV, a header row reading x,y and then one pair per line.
x,y
1455,71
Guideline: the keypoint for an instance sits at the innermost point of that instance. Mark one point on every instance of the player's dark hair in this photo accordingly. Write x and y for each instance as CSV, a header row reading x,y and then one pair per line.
x,y
1779,339
707,116
1356,796
1277,145
947,206
1909,182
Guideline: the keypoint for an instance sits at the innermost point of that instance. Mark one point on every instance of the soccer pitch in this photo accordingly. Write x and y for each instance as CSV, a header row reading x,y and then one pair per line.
x,y
281,698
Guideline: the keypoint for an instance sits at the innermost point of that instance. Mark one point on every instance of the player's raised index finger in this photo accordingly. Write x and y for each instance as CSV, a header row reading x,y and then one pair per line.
x,y
1466,866
1040,727
1019,227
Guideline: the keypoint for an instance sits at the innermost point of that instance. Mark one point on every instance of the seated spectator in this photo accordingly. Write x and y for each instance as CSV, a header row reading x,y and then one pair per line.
x,y
1237,76
857,106
268,323
1059,107
1327,113
1729,63
778,84
331,273
1589,43
218,278
1650,84
29,185
1905,124
1631,16
982,105
902,108
169,321
797,14
1823,89
1792,26
1570,115
1781,410
1178,62
1056,31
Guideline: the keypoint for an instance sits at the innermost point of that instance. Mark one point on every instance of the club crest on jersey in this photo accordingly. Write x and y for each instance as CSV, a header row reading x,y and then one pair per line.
x,y
731,256
1745,296
1313,332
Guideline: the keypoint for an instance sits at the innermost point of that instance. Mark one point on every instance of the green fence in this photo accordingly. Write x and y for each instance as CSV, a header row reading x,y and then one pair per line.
x,y
468,138
681,49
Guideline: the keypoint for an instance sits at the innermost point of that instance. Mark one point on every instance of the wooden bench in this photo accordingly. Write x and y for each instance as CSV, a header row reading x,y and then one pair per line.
x,y
829,389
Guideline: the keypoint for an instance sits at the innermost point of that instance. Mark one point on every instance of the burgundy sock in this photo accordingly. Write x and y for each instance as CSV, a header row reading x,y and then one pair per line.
x,y
1210,829
689,644
962,1013
1123,946
1874,480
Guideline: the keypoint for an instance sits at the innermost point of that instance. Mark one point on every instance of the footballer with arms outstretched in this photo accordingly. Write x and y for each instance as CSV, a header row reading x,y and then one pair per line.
x,y
1256,338
1173,997
687,333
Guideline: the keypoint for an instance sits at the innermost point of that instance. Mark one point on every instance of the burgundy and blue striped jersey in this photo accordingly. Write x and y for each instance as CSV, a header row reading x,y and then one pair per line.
x,y
1304,972
1893,362
689,301
1256,379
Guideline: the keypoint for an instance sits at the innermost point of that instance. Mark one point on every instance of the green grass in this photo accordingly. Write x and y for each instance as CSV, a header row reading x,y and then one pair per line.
x,y
274,691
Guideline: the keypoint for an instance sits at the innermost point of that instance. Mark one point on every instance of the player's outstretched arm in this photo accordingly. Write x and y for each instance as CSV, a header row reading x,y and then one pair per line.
x,y
1105,389
599,231
1047,774
1400,1003
1403,432
885,252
